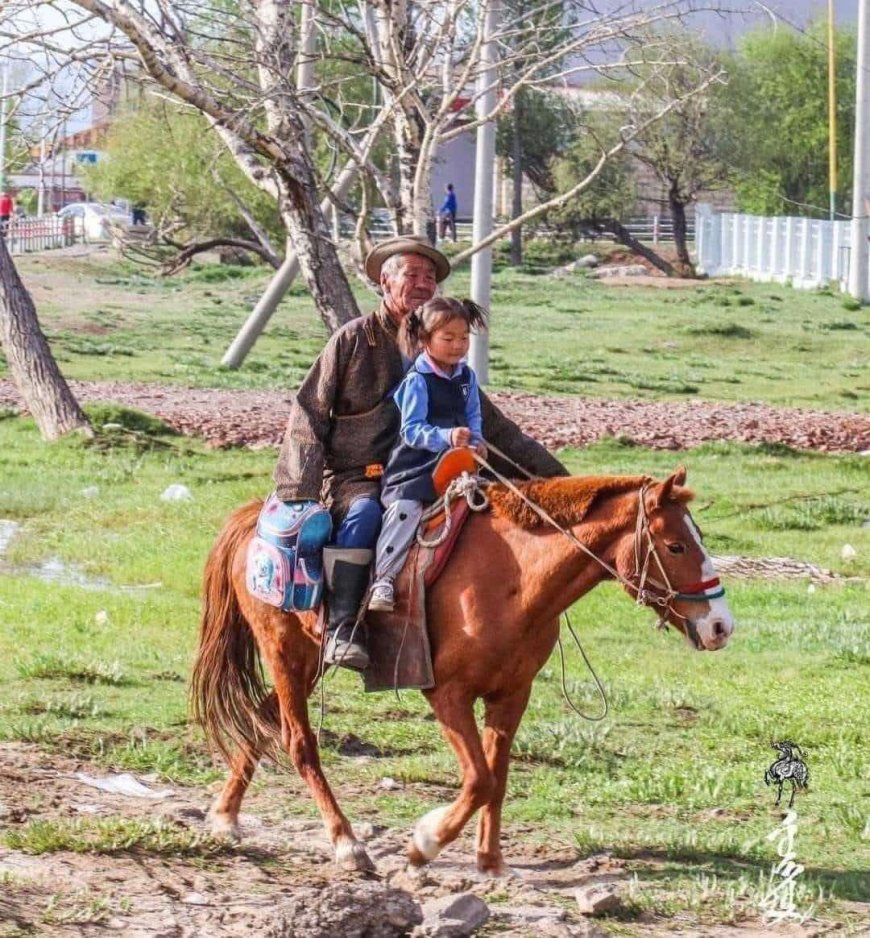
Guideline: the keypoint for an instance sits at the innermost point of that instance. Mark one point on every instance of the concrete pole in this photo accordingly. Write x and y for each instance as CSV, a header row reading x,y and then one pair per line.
x,y
481,262
861,173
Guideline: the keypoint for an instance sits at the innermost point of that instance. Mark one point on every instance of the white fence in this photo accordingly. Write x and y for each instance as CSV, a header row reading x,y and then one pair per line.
x,y
801,251
39,234
656,228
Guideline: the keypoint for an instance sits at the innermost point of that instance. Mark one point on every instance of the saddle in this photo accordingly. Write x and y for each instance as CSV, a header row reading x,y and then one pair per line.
x,y
399,650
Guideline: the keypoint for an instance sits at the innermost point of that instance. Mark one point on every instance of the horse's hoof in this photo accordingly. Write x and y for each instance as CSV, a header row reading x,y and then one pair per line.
x,y
489,871
415,858
351,855
224,827
424,844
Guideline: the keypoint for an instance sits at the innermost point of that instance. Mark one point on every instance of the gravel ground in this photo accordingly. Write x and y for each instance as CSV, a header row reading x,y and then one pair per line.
x,y
256,418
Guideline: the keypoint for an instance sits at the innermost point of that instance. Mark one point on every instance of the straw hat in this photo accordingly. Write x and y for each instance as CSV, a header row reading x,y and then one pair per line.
x,y
405,244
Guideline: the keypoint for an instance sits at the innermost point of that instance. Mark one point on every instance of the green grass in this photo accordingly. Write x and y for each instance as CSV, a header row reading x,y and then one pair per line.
x,y
735,341
672,781
110,836
95,667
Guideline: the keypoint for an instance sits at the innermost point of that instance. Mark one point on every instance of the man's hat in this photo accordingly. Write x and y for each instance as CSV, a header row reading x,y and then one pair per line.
x,y
405,244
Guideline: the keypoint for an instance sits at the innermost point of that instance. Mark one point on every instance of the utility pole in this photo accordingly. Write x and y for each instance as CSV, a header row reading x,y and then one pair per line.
x,y
484,171
861,174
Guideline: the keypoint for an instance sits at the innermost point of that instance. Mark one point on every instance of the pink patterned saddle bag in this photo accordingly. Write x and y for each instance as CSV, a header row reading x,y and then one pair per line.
x,y
285,558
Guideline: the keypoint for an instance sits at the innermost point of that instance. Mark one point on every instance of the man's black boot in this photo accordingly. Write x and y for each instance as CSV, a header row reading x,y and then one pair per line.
x,y
347,579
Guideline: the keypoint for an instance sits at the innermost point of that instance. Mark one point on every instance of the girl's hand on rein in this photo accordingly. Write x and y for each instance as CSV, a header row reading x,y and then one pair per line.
x,y
460,436
480,449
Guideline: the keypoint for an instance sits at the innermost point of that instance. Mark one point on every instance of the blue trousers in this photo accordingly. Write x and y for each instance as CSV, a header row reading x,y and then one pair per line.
x,y
361,525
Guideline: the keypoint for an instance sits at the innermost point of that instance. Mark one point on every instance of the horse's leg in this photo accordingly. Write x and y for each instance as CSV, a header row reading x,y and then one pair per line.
x,y
502,719
791,800
224,812
778,793
455,713
292,685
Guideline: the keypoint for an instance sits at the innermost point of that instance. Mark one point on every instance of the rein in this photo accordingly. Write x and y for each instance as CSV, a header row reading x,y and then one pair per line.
x,y
695,592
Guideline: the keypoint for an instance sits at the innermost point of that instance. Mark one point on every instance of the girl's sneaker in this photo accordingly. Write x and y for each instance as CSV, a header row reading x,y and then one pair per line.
x,y
382,598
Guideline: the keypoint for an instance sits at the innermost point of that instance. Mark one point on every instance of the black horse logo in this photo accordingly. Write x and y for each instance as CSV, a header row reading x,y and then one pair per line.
x,y
788,768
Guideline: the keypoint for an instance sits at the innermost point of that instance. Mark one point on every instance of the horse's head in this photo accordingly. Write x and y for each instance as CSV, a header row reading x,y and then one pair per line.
x,y
672,569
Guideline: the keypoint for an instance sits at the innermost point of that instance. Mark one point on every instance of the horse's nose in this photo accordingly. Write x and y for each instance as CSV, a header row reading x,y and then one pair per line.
x,y
720,629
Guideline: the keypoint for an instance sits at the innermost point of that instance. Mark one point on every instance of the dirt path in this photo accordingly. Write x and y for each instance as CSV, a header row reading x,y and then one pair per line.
x,y
280,880
256,418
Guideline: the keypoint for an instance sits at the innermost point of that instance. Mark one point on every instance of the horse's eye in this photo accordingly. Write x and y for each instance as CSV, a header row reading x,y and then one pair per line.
x,y
677,548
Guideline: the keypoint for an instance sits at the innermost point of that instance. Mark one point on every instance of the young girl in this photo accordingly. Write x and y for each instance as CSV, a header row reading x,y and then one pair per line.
x,y
440,406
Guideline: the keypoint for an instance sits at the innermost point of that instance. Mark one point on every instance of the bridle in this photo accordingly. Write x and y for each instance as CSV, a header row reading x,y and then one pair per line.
x,y
702,591
663,594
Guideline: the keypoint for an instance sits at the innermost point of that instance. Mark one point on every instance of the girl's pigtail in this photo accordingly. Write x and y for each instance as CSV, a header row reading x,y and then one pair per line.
x,y
476,315
409,333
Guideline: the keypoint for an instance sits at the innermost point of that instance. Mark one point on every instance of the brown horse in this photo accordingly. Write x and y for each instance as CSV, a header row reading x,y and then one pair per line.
x,y
493,619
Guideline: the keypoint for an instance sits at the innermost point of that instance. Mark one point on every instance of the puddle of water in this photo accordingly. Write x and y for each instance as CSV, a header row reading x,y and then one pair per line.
x,y
8,530
56,571
63,574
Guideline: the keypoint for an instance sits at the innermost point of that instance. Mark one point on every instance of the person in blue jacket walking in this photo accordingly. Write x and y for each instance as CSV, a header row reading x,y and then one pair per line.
x,y
439,404
447,213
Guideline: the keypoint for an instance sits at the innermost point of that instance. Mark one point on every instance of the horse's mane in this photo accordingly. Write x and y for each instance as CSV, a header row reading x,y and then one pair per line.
x,y
567,499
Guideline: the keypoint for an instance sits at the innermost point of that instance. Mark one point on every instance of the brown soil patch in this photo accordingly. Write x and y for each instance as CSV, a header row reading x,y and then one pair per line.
x,y
256,418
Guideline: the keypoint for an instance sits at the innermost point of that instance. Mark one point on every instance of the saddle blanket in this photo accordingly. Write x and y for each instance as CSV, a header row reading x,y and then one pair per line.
x,y
399,649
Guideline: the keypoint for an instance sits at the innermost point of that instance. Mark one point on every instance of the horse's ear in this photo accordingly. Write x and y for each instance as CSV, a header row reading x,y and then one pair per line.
x,y
662,492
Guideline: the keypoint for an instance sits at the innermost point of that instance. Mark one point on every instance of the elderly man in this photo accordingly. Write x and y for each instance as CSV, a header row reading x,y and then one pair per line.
x,y
343,425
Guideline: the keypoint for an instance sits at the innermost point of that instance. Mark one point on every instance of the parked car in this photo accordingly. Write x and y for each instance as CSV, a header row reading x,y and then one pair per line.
x,y
94,220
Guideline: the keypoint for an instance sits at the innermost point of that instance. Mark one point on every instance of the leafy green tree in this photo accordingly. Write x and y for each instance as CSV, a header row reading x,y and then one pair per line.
x,y
194,192
610,194
538,125
681,148
772,120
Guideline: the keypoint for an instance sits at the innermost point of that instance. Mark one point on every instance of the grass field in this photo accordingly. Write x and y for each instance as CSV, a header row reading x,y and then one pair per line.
x,y
672,780
728,341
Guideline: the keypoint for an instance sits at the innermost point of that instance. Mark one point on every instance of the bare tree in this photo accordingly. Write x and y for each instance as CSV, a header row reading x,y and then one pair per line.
x,y
680,149
235,63
426,57
31,364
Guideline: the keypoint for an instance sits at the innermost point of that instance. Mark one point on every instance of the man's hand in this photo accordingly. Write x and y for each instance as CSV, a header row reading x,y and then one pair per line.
x,y
460,436
480,449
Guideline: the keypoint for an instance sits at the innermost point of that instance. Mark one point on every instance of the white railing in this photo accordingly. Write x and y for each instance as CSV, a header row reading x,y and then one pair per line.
x,y
801,251
39,234
656,228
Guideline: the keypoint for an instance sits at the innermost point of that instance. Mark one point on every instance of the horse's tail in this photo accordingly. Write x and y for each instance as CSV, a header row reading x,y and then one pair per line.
x,y
227,686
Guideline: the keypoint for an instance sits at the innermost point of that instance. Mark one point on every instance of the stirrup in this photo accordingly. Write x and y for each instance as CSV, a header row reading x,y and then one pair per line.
x,y
342,651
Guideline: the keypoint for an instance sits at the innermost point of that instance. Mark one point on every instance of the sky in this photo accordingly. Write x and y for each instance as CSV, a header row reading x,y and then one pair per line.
x,y
721,29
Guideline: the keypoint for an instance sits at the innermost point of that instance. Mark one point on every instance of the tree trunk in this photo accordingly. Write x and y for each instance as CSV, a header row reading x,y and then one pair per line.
x,y
624,236
678,217
310,235
517,174
406,133
31,364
